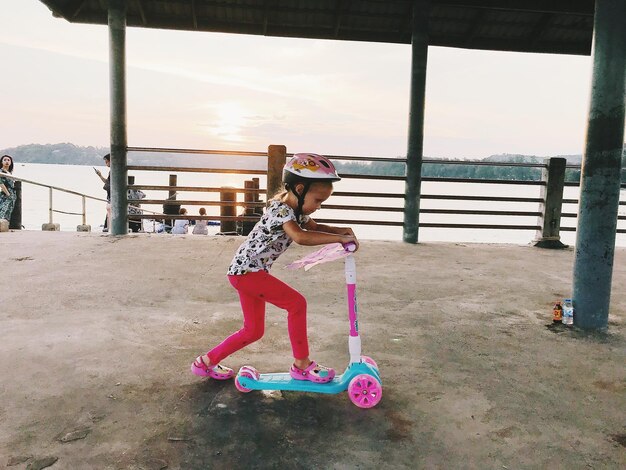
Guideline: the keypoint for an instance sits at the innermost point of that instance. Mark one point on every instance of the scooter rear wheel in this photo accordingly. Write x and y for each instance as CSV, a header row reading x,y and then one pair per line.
x,y
246,371
365,391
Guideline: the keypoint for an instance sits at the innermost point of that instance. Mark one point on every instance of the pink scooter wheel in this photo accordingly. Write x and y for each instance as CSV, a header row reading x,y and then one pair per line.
x,y
370,361
365,391
246,371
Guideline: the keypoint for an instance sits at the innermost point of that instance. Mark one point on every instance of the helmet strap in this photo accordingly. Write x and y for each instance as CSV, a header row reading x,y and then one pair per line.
x,y
300,197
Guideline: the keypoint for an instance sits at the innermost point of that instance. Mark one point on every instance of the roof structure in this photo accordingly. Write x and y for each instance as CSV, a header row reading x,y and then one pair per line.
x,y
548,26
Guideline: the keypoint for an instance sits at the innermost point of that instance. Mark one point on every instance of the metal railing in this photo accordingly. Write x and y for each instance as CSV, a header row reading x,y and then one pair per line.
x,y
51,210
254,204
540,201
51,189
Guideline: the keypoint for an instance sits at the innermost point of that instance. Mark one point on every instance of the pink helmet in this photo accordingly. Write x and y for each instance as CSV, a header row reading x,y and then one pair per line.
x,y
304,167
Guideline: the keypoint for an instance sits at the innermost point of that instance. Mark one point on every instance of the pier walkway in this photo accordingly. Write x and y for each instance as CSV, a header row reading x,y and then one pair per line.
x,y
97,334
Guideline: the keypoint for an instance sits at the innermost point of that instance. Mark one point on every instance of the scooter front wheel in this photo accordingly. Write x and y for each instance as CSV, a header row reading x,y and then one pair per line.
x,y
365,391
249,372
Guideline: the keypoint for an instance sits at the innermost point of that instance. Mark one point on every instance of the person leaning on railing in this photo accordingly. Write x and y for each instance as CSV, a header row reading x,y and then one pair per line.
x,y
7,188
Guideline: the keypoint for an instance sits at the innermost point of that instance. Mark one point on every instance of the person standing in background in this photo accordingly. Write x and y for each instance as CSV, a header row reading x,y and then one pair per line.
x,y
107,188
7,188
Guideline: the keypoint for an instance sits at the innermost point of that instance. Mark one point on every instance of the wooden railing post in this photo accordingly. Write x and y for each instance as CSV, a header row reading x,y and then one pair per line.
x,y
84,227
250,210
550,208
277,157
50,226
168,208
228,195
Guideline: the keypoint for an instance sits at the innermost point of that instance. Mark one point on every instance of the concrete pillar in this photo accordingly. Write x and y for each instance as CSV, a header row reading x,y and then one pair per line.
x,y
419,56
276,159
117,70
600,175
552,195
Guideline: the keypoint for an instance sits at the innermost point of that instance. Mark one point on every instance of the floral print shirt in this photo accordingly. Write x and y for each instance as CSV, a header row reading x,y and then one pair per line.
x,y
266,242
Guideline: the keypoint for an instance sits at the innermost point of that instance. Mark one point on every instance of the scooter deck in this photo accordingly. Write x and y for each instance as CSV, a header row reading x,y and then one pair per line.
x,y
284,381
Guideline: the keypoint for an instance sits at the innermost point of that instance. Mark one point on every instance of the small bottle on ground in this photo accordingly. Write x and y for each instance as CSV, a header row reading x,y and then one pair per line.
x,y
557,312
568,312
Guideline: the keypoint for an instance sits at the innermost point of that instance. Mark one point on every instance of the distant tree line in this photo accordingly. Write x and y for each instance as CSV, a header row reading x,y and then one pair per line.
x,y
59,154
468,171
70,154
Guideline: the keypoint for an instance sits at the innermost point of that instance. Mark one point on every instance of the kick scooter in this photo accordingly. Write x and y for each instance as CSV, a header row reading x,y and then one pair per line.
x,y
361,378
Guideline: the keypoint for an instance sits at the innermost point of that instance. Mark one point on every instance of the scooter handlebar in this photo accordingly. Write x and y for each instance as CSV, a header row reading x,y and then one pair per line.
x,y
350,247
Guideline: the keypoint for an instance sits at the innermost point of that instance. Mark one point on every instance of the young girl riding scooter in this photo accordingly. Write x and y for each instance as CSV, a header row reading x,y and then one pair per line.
x,y
308,180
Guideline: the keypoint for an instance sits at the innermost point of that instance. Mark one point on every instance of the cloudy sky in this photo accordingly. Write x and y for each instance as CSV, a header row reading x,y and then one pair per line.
x,y
234,92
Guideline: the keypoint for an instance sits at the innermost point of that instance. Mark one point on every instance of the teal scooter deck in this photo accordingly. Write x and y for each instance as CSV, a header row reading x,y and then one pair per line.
x,y
283,381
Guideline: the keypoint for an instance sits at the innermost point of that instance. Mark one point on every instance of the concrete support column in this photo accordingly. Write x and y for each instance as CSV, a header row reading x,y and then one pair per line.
x,y
117,71
600,175
552,194
419,56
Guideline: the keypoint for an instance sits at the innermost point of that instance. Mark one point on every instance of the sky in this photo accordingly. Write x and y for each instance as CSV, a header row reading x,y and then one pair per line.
x,y
236,92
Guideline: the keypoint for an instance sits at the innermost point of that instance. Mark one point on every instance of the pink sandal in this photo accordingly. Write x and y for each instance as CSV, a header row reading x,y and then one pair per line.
x,y
315,373
218,372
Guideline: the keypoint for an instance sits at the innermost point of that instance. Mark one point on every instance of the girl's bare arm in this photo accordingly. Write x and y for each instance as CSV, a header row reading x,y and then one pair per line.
x,y
314,237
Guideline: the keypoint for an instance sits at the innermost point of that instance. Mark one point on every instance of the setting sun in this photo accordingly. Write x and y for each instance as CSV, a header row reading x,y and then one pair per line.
x,y
230,118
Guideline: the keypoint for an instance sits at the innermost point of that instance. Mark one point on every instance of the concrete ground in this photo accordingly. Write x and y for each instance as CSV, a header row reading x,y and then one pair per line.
x,y
97,334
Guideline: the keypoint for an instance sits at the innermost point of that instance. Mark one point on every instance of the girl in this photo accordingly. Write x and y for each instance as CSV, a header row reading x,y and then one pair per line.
x,y
7,188
200,228
308,180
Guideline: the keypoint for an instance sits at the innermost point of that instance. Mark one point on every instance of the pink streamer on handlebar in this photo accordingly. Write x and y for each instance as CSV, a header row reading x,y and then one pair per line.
x,y
327,253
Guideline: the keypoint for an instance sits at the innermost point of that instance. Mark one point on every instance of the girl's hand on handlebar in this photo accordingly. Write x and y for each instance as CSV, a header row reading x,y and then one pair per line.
x,y
346,239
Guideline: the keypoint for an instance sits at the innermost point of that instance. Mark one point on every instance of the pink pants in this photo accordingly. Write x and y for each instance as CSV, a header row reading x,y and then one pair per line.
x,y
255,289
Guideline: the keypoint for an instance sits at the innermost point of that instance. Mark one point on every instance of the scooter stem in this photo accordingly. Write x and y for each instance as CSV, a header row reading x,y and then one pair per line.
x,y
354,340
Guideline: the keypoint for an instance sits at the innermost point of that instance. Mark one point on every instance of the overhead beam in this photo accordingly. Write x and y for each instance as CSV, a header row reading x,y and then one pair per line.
x,y
194,16
347,21
539,29
73,8
568,7
142,13
474,27
266,9
338,13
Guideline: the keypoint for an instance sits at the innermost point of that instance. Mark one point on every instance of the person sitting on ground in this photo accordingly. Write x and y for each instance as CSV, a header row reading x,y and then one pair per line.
x,y
200,228
181,226
134,196
7,188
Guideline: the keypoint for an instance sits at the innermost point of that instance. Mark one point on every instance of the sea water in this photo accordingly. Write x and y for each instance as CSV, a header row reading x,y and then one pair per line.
x,y
82,179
